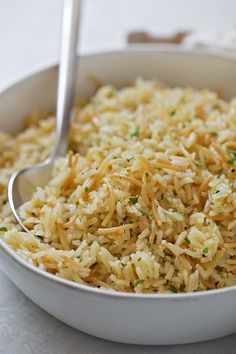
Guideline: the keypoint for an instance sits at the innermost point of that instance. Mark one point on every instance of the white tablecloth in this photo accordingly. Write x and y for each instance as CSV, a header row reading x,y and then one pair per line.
x,y
29,37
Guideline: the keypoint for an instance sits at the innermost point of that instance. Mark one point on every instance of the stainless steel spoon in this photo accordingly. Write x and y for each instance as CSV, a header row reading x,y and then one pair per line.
x,y
24,182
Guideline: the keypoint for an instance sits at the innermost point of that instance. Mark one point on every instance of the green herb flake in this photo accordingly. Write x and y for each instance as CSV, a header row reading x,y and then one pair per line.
x,y
134,200
139,259
233,152
198,164
135,132
205,250
138,282
187,240
148,244
146,174
111,93
162,196
214,134
231,161
173,289
172,113
216,106
158,168
222,174
207,223
3,229
216,192
123,265
142,212
86,189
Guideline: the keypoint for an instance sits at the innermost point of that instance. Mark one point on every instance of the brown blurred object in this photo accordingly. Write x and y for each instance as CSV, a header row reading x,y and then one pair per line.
x,y
144,37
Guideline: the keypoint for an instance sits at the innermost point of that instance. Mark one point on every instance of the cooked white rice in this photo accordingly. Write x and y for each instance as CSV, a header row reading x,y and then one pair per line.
x,y
146,202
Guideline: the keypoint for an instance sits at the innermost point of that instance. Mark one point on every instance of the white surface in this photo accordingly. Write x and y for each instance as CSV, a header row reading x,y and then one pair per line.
x,y
29,36
26,329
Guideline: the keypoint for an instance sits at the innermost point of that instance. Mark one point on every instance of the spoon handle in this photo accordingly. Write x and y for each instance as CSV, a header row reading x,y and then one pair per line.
x,y
66,78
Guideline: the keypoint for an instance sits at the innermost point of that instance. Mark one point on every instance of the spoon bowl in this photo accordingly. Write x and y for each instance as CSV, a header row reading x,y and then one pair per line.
x,y
23,184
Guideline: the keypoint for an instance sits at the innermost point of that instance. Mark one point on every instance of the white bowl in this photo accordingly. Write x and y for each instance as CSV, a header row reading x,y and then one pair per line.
x,y
124,317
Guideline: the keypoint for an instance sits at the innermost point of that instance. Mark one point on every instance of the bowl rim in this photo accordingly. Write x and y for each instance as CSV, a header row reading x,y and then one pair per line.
x,y
14,256
132,48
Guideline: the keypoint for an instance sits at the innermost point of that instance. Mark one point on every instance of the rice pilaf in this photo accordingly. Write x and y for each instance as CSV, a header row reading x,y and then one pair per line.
x,y
145,200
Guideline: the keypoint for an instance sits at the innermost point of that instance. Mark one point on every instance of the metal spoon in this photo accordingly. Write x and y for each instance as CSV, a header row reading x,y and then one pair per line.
x,y
24,182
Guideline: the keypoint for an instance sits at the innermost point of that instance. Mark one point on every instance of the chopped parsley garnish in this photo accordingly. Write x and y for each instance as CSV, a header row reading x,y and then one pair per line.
x,y
172,113
148,244
233,152
135,132
222,174
146,174
139,259
123,265
142,212
111,93
138,282
134,200
173,289
158,168
214,134
187,240
231,161
216,192
206,223
198,164
205,250
162,196
86,189
3,229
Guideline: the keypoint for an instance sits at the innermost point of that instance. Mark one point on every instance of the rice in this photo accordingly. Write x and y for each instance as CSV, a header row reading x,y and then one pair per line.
x,y
145,199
